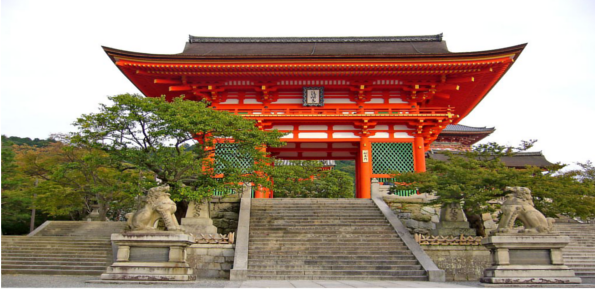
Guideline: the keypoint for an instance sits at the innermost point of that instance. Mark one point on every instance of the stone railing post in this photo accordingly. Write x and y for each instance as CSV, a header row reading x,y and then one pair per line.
x,y
375,187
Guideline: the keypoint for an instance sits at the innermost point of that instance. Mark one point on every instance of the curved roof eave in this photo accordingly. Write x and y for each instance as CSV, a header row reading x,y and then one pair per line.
x,y
116,53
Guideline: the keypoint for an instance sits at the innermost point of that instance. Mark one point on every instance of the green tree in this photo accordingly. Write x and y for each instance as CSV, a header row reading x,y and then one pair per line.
x,y
304,179
158,136
476,177
16,204
71,178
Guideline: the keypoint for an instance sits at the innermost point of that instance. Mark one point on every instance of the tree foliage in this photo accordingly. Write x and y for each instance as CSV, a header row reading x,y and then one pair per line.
x,y
175,141
479,176
72,177
305,179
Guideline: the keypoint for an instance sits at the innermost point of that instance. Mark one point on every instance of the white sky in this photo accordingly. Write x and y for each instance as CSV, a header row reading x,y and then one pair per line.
x,y
53,69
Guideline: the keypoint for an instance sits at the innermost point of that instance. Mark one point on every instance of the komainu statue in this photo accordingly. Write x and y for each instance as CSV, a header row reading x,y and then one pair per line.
x,y
157,205
519,205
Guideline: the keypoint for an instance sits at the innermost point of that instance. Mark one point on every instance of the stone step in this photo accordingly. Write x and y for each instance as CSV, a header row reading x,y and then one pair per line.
x,y
315,277
307,219
577,254
579,249
333,257
335,267
320,216
57,259
590,267
307,229
56,267
337,243
321,239
52,272
580,273
338,208
318,223
320,235
350,273
307,212
8,249
53,238
330,248
335,262
74,252
54,243
335,251
53,255
83,262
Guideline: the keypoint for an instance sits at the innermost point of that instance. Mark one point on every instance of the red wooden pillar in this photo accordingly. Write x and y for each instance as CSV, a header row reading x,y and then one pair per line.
x,y
261,191
365,160
419,154
358,183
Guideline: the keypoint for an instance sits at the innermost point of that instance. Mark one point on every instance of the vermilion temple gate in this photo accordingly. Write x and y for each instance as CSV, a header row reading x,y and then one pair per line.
x,y
378,100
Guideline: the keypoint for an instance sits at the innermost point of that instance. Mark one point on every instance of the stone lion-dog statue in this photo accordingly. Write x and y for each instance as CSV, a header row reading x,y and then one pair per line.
x,y
519,205
158,204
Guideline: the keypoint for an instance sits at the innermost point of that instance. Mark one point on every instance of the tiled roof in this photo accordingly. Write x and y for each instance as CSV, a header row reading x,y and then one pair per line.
x,y
518,160
350,39
467,129
282,162
315,46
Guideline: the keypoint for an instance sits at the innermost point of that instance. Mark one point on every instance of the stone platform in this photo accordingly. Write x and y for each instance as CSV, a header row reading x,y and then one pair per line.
x,y
527,259
151,256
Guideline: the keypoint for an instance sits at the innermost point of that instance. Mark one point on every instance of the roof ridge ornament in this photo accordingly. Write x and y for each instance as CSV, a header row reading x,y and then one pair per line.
x,y
348,39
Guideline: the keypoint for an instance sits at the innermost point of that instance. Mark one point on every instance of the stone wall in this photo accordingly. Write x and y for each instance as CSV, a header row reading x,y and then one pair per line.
x,y
415,213
461,263
225,213
213,261
419,216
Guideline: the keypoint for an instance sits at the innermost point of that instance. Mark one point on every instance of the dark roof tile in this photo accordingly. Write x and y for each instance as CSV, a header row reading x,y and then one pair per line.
x,y
315,46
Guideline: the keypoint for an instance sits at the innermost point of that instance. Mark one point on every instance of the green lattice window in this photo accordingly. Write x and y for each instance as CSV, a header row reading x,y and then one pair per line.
x,y
228,154
391,157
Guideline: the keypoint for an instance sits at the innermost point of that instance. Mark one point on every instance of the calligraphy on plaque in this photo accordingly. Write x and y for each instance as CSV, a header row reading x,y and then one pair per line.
x,y
313,96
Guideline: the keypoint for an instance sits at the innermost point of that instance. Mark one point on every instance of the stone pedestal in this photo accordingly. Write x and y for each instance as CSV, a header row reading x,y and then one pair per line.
x,y
94,215
445,228
527,259
198,219
151,256
453,222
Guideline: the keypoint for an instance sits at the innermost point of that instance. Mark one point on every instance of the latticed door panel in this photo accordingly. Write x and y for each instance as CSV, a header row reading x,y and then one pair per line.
x,y
391,157
228,154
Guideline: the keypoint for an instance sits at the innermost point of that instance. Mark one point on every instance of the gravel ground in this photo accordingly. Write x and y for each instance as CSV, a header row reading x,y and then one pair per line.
x,y
48,281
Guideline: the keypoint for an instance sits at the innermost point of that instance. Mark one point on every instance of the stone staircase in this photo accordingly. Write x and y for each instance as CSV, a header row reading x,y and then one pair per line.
x,y
326,239
579,255
61,248
55,255
79,229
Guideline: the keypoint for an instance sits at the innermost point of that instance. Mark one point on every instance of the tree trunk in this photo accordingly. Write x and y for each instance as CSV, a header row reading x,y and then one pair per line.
x,y
103,207
182,207
475,221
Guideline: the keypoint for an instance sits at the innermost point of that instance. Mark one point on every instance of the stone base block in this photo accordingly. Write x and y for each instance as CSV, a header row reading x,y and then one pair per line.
x,y
151,256
140,271
140,277
198,226
453,232
527,259
448,228
521,280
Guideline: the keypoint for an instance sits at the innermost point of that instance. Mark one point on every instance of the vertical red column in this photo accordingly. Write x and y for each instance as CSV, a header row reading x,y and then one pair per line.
x,y
358,167
419,154
365,167
261,191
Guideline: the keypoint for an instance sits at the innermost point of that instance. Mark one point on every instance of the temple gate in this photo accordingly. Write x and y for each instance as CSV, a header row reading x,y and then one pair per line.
x,y
380,101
